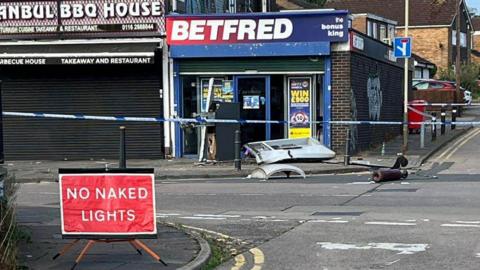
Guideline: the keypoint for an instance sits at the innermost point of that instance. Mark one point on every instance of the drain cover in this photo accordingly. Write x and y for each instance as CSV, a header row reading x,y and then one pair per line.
x,y
356,214
397,190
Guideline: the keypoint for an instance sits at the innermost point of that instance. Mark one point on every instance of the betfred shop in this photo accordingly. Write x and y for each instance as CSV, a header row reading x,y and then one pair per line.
x,y
258,66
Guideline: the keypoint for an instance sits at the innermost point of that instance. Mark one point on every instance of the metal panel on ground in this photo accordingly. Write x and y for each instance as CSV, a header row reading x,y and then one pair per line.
x,y
109,90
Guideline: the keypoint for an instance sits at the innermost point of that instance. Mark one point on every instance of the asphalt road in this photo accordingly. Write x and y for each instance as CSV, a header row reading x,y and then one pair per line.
x,y
429,221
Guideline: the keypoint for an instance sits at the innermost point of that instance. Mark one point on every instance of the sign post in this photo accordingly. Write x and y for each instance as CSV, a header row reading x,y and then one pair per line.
x,y
403,49
107,205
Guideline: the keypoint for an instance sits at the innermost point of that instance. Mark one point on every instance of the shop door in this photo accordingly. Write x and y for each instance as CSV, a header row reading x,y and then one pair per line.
x,y
254,95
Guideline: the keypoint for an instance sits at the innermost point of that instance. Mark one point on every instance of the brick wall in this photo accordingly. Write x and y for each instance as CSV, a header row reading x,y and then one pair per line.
x,y
341,98
350,100
431,44
359,23
390,84
476,42
476,46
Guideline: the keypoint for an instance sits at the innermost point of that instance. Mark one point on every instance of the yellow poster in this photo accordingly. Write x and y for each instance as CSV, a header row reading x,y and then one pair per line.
x,y
297,133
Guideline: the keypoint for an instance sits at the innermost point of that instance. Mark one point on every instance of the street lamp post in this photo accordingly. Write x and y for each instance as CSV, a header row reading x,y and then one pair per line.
x,y
405,87
458,47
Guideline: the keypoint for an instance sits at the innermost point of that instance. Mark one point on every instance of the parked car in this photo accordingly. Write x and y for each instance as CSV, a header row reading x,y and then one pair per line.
x,y
437,85
433,85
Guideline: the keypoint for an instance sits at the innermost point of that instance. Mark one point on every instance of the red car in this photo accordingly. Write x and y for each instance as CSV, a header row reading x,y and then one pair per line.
x,y
433,85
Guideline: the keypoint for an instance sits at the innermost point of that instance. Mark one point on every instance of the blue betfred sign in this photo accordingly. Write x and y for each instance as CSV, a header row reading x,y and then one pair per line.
x,y
403,47
280,27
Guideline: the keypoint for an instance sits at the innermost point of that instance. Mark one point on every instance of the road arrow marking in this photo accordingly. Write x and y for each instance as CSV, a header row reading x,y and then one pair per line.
x,y
403,249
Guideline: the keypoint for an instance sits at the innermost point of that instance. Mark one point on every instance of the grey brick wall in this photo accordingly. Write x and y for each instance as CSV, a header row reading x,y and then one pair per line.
x,y
391,88
350,99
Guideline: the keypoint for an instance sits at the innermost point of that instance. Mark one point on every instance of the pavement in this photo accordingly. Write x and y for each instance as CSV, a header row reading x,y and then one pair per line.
x,y
39,218
36,171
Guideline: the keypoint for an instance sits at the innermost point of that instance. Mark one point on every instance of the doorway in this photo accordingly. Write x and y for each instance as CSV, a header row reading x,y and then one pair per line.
x,y
254,97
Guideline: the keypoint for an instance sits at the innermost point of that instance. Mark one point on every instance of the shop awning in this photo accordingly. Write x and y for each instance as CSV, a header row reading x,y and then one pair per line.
x,y
78,52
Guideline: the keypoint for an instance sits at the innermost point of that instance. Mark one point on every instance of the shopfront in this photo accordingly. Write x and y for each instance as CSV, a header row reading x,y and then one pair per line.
x,y
95,57
275,66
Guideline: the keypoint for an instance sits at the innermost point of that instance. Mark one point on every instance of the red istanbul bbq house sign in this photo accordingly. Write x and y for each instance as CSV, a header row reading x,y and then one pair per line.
x,y
99,203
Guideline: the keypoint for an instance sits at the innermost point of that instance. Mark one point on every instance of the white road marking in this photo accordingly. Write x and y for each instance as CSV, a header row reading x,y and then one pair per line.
x,y
327,221
252,194
468,222
404,183
404,249
426,219
220,216
461,225
390,223
361,183
278,220
410,220
477,255
167,214
204,218
390,263
44,193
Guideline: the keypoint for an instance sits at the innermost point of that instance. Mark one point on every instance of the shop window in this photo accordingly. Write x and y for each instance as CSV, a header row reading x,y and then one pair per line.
x,y
383,32
391,32
277,94
418,73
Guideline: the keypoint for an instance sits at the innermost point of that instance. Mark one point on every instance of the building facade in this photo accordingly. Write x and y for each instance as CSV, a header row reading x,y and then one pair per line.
x,y
432,25
96,58
319,72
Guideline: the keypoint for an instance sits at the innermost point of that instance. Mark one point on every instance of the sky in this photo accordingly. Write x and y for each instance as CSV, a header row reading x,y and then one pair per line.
x,y
474,4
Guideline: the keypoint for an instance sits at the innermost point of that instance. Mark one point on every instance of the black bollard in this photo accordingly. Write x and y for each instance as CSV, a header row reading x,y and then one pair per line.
x,y
443,118
238,145
454,118
434,127
346,157
122,162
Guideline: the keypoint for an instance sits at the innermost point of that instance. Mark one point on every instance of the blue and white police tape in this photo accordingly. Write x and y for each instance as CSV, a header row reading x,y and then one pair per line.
x,y
201,120
445,104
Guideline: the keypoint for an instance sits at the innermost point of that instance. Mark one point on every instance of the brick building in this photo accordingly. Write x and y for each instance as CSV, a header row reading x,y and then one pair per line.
x,y
367,85
476,40
432,25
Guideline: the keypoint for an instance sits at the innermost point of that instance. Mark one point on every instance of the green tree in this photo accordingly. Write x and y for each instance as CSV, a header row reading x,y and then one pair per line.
x,y
469,75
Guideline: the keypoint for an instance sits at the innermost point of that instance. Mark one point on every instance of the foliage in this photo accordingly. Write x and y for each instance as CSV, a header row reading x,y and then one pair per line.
x,y
469,75
10,234
219,255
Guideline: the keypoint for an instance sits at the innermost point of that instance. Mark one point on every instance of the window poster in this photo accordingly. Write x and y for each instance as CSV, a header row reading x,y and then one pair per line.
x,y
222,91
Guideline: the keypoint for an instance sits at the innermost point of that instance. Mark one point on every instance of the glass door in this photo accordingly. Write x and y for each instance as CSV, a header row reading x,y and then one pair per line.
x,y
254,97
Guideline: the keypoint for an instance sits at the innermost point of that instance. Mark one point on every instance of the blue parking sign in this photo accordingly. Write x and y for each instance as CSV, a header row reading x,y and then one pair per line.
x,y
403,47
